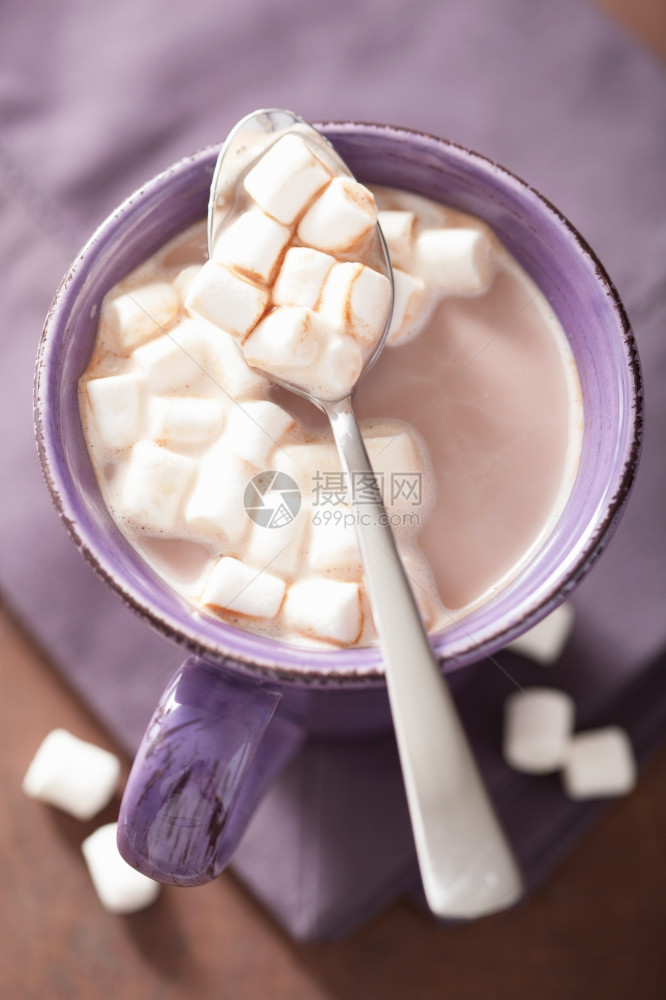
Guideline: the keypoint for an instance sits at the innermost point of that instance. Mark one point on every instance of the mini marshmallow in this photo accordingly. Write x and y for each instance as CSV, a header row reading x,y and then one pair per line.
x,y
234,586
599,763
215,511
537,729
185,420
121,888
184,280
315,467
167,365
324,609
287,341
252,245
398,229
338,370
286,178
355,300
333,548
155,484
140,314
544,643
343,213
226,299
412,308
301,277
217,358
278,549
455,261
401,462
255,428
72,774
115,402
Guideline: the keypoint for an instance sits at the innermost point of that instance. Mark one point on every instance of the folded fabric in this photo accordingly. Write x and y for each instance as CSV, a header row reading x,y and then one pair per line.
x,y
95,100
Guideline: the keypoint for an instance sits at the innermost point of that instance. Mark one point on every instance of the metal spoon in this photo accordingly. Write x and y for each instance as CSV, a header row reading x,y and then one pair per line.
x,y
466,864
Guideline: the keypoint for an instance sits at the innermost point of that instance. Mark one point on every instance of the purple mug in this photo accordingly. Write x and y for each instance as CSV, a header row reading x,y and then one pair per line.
x,y
241,705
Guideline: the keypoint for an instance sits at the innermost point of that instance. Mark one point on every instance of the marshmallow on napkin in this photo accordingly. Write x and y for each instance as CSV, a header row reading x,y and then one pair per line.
x,y
599,763
538,723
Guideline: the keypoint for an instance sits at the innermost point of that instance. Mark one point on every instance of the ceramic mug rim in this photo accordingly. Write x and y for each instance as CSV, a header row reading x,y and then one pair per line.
x,y
266,657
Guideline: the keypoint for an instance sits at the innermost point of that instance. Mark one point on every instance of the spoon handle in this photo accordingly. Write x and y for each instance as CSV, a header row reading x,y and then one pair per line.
x,y
466,864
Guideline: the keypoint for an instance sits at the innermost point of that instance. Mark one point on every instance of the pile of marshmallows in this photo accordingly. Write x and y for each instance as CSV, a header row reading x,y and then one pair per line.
x,y
286,278
81,779
276,280
191,418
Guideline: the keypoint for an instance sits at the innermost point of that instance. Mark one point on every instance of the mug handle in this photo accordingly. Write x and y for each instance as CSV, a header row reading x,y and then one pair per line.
x,y
209,754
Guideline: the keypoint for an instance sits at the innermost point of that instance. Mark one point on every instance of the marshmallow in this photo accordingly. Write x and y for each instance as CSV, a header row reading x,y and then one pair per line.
x,y
140,314
287,341
233,586
315,466
255,428
155,484
115,402
339,369
215,511
343,213
226,299
398,231
184,280
185,420
369,305
278,549
333,548
217,358
401,463
455,261
121,888
599,763
286,178
324,609
73,775
412,308
356,300
537,729
252,245
166,364
544,643
301,277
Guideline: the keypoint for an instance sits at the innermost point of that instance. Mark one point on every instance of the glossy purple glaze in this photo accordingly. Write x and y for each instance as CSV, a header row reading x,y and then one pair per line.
x,y
339,692
198,777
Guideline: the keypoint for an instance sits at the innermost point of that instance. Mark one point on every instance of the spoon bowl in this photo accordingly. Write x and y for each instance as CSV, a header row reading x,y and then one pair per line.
x,y
247,142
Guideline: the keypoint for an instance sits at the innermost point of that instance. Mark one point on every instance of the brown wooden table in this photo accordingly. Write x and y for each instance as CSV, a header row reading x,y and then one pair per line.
x,y
596,931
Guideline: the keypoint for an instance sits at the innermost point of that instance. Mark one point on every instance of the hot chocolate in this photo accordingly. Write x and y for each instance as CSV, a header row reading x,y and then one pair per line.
x,y
232,490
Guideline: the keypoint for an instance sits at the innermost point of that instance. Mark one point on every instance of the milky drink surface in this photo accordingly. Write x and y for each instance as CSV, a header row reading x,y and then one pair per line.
x,y
472,416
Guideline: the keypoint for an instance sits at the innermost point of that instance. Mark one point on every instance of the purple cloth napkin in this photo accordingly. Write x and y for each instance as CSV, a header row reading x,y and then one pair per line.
x,y
94,99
